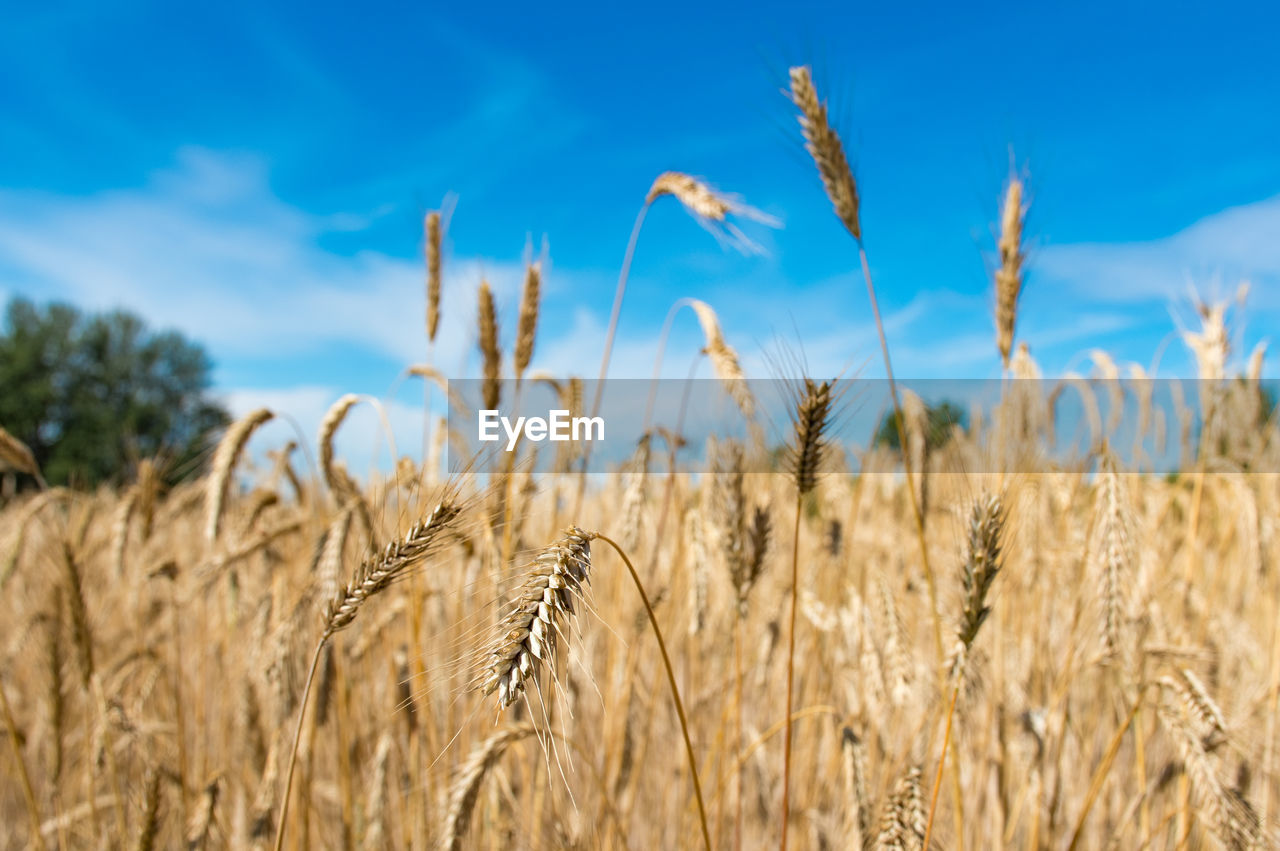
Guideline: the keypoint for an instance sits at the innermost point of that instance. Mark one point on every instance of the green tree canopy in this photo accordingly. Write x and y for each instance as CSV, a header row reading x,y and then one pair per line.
x,y
89,394
940,419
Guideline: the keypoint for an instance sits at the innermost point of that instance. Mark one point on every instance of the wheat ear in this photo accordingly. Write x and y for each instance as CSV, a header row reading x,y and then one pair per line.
x,y
150,812
1196,724
981,564
823,144
723,358
487,319
224,463
527,636
708,206
854,769
1116,555
466,785
202,819
338,481
1009,273
902,826
374,574
527,324
431,226
18,455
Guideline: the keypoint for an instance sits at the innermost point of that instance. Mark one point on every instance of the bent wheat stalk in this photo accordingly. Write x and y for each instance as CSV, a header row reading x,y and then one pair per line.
x,y
374,575
224,462
704,204
675,690
526,637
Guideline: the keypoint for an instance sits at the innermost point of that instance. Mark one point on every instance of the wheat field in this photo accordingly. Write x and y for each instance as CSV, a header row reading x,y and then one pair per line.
x,y
974,643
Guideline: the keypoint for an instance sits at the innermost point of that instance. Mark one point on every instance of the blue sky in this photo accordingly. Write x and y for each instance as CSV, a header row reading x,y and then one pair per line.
x,y
256,177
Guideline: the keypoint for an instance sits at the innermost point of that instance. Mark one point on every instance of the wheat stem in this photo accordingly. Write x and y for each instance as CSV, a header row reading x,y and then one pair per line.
x,y
791,656
942,760
675,689
28,793
1095,785
614,313
297,739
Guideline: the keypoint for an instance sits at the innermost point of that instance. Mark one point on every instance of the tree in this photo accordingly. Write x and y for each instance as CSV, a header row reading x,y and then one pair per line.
x,y
940,420
89,394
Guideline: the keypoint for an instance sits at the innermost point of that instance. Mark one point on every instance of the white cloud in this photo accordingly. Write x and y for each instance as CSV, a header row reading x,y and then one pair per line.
x,y
1240,243
207,248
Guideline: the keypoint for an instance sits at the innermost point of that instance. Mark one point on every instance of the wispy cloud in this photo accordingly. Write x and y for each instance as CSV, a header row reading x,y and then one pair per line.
x,y
1240,243
207,248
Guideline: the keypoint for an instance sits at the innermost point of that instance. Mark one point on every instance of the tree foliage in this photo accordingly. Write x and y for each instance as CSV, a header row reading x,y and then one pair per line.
x,y
90,394
940,420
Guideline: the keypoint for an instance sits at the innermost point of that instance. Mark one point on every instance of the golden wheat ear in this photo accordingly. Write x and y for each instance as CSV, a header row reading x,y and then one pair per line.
x,y
17,455
487,320
465,790
811,421
823,144
1009,273
225,458
527,635
433,238
527,324
374,575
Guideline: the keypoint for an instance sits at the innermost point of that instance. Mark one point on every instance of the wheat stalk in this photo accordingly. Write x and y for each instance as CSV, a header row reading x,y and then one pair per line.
x,y
825,148
527,636
374,575
811,419
981,564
